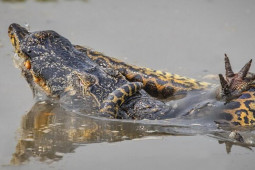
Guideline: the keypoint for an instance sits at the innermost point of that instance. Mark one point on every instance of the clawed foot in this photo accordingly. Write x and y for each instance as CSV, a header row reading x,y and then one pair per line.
x,y
235,83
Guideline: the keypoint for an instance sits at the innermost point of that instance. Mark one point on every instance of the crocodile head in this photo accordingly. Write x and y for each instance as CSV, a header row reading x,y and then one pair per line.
x,y
50,62
42,54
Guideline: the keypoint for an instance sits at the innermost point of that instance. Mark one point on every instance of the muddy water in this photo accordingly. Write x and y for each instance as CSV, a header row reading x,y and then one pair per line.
x,y
186,38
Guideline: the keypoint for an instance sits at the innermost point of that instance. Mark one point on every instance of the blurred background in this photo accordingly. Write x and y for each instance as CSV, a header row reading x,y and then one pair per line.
x,y
184,37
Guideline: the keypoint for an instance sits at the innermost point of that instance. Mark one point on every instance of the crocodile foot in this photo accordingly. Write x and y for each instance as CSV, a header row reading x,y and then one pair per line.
x,y
235,83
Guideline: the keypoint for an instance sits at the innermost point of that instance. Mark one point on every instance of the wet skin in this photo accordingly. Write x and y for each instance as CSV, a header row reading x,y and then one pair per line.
x,y
120,90
53,64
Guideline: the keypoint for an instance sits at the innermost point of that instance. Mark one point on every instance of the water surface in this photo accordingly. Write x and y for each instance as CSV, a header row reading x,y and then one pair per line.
x,y
188,38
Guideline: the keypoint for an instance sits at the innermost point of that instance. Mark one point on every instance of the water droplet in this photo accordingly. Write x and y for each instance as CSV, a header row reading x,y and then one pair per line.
x,y
27,26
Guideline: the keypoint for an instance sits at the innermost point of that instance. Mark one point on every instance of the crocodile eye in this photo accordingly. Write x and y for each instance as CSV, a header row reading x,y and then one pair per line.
x,y
28,53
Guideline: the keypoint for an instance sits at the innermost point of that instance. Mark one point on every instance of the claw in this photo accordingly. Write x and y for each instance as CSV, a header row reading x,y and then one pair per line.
x,y
234,84
229,71
243,72
224,84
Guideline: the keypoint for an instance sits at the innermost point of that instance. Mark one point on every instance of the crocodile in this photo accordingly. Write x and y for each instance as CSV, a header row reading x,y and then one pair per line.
x,y
52,64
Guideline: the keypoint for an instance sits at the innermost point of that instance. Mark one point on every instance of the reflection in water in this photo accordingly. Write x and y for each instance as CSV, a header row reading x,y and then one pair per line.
x,y
247,136
48,132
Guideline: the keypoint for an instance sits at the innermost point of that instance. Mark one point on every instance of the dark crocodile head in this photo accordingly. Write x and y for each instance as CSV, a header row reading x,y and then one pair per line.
x,y
51,61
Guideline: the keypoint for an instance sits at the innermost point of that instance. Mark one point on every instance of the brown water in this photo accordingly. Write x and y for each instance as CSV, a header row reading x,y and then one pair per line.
x,y
188,38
